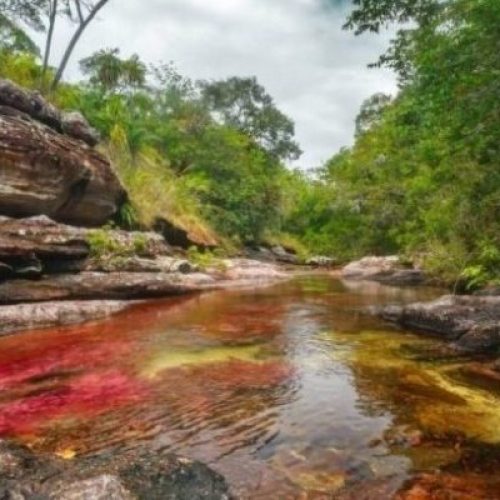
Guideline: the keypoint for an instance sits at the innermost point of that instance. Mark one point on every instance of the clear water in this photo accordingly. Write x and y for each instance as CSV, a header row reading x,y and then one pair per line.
x,y
290,391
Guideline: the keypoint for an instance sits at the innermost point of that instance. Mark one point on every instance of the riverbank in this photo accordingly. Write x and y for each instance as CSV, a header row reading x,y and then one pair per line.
x,y
469,325
146,474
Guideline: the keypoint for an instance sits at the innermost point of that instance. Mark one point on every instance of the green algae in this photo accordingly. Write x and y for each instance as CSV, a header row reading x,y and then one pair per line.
x,y
170,359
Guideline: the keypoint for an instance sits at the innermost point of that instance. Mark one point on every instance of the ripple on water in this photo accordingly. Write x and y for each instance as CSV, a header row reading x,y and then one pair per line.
x,y
288,391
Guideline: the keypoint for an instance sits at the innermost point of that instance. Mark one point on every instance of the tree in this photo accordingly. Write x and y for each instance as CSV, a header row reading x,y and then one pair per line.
x,y
371,112
85,13
245,105
13,15
52,7
419,15
111,73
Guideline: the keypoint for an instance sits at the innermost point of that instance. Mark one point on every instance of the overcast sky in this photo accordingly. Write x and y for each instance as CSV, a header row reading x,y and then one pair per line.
x,y
315,71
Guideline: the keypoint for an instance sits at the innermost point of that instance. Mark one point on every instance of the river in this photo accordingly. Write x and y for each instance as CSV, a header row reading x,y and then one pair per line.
x,y
290,391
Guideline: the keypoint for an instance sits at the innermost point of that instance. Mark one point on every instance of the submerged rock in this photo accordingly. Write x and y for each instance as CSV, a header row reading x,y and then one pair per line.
x,y
387,270
442,485
472,323
141,475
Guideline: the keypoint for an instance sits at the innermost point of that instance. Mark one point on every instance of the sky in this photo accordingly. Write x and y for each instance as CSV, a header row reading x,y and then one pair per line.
x,y
316,72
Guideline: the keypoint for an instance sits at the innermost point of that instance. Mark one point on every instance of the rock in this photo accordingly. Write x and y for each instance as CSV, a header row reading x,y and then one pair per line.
x,y
178,236
28,268
32,104
141,265
274,254
23,317
260,253
75,125
387,270
104,487
321,261
443,485
16,101
490,290
496,365
97,286
283,255
471,322
143,474
6,271
44,172
36,245
247,269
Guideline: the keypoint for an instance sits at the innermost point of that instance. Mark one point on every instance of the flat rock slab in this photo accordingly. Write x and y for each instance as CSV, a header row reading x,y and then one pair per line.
x,y
52,314
472,323
140,475
102,286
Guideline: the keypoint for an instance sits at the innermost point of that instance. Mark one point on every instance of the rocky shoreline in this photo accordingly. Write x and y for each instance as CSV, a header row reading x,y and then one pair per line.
x,y
141,475
468,324
59,264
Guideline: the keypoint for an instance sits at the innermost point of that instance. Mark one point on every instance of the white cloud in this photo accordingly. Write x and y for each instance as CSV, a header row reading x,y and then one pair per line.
x,y
316,71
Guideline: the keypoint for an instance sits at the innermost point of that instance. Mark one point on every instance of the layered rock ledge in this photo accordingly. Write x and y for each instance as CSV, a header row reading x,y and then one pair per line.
x,y
470,323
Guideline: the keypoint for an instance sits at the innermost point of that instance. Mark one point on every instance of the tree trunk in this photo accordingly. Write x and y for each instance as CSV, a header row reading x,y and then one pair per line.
x,y
48,43
74,40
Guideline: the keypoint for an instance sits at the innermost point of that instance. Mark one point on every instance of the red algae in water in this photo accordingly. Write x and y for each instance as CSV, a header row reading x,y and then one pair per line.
x,y
85,396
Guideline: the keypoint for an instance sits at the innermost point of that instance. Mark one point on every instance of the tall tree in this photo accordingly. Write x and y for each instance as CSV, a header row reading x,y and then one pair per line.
x,y
110,72
52,7
85,14
244,104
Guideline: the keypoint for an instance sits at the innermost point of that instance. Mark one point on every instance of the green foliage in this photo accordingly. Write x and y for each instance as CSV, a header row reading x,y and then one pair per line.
x,y
246,106
206,259
423,176
108,71
102,244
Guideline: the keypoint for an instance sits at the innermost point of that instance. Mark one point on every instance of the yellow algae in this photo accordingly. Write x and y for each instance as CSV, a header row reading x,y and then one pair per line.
x,y
432,398
177,358
324,482
66,454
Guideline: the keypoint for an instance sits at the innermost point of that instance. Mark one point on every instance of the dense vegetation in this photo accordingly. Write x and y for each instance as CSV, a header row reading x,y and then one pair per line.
x,y
422,179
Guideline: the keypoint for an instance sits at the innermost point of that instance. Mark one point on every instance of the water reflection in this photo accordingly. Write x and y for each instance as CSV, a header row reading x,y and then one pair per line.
x,y
291,390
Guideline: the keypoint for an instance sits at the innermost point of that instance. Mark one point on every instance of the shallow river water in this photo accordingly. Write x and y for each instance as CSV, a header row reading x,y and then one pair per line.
x,y
290,391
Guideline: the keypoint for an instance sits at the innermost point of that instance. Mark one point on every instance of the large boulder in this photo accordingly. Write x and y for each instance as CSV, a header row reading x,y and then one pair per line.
x,y
17,101
390,270
48,165
44,172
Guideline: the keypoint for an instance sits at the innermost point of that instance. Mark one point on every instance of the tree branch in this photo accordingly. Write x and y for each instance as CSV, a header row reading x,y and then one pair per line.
x,y
74,40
